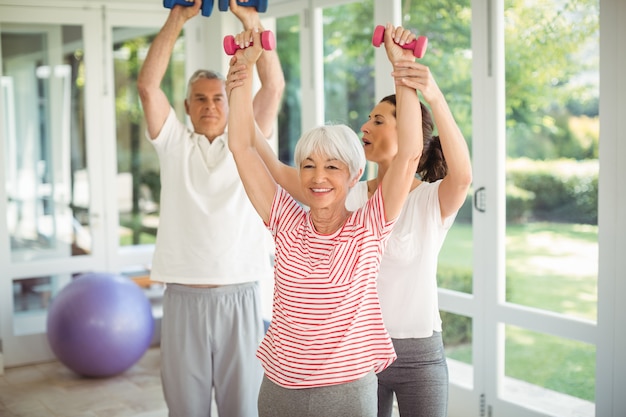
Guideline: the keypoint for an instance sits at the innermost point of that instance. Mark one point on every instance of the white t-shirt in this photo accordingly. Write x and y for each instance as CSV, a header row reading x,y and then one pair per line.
x,y
209,232
407,282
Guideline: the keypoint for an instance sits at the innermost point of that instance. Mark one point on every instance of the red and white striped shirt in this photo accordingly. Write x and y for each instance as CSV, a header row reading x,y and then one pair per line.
x,y
327,325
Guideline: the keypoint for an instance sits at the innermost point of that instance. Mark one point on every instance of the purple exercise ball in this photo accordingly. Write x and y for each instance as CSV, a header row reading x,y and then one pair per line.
x,y
100,324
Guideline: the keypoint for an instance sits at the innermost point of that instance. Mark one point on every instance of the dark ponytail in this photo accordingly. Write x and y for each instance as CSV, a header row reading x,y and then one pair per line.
x,y
432,165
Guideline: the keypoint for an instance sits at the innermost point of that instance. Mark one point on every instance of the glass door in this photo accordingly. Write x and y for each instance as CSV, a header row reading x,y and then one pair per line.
x,y
133,170
547,305
448,26
518,271
52,223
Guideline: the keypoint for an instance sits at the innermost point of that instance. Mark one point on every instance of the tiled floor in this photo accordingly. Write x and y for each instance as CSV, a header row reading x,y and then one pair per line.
x,y
51,390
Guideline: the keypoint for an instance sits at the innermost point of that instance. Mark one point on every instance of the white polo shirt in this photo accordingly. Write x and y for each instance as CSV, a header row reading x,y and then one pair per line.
x,y
209,232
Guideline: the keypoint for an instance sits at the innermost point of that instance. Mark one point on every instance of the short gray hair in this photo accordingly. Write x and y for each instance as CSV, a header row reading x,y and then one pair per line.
x,y
334,141
202,73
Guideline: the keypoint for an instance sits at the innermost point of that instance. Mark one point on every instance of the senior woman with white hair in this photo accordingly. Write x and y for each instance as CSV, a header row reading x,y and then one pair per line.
x,y
326,340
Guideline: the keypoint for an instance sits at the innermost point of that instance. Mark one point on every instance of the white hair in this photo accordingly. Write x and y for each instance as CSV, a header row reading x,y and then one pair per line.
x,y
201,73
334,141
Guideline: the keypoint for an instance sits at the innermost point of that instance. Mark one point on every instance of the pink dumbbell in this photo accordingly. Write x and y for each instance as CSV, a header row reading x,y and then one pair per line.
x,y
268,42
417,45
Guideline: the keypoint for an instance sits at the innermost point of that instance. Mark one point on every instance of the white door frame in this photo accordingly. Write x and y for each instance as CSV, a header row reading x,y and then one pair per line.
x,y
20,349
487,300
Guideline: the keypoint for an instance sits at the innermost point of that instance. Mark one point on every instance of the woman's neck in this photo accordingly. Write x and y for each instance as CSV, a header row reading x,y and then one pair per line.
x,y
327,222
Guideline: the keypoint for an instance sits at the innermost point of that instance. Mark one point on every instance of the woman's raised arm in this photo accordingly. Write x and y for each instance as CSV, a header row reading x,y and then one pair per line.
x,y
257,181
397,181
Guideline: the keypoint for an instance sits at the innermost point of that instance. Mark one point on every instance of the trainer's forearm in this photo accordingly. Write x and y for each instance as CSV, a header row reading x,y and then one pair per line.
x,y
268,99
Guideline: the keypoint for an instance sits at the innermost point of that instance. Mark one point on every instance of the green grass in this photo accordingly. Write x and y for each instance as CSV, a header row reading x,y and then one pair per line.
x,y
457,249
144,239
551,266
551,362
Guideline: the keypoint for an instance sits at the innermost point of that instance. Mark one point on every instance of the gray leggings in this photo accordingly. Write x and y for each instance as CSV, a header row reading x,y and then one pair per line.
x,y
419,378
352,399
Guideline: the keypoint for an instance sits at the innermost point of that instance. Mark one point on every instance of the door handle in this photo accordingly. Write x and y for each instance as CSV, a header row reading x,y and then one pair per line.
x,y
480,199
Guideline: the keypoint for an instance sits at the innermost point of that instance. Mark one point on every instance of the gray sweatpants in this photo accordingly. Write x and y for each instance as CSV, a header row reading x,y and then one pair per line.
x,y
419,378
209,338
352,399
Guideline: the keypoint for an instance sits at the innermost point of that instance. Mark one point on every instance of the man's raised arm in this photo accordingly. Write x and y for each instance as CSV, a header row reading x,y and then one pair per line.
x,y
153,100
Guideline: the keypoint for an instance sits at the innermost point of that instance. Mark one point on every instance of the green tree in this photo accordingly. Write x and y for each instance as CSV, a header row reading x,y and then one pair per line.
x,y
447,25
288,33
349,63
547,57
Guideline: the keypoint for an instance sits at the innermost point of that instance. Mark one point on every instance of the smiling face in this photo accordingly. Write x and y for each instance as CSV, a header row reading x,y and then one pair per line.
x,y
207,107
380,134
326,181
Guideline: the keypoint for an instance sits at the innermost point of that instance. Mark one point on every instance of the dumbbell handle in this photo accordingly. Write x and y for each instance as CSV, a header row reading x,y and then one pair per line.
x,y
268,42
206,8
418,45
259,5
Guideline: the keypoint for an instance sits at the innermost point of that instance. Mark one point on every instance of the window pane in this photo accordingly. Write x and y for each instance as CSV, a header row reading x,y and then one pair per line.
x,y
457,339
138,181
552,94
290,116
550,373
552,136
43,123
349,64
31,299
449,56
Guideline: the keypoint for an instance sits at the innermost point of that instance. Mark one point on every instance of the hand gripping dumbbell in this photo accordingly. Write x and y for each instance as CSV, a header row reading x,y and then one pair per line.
x,y
418,45
260,5
268,42
206,9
